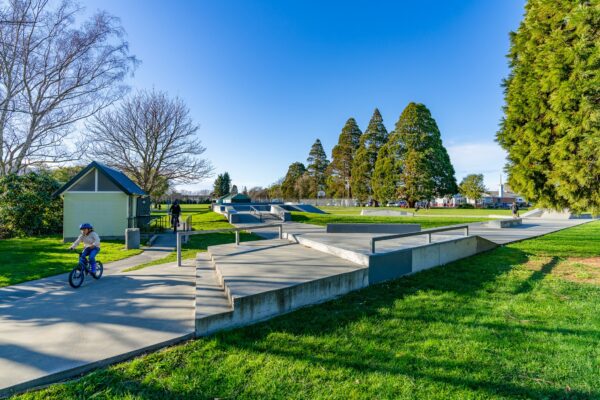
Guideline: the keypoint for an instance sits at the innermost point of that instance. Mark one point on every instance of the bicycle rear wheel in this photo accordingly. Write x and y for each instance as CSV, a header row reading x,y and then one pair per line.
x,y
99,270
76,277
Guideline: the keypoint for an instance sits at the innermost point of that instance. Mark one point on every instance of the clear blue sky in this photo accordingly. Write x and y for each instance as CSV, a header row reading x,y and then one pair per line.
x,y
264,79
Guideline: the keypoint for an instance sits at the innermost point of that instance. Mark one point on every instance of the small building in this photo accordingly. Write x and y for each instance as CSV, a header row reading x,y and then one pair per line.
x,y
237,198
104,197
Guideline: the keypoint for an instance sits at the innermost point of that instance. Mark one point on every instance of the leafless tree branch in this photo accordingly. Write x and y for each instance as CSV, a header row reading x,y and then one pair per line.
x,y
151,137
52,75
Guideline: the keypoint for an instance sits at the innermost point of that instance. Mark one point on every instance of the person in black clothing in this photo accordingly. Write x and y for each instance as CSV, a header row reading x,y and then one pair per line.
x,y
175,212
515,209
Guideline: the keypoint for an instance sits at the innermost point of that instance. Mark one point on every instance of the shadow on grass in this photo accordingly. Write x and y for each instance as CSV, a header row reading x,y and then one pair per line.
x,y
537,276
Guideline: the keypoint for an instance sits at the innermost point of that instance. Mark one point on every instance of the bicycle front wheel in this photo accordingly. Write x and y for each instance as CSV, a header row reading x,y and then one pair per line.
x,y
99,270
76,277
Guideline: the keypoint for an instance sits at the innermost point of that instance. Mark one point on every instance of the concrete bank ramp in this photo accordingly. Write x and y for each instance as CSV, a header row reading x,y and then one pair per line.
x,y
302,208
386,213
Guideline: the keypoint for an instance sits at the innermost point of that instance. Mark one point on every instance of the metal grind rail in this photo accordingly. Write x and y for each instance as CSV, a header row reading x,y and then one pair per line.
x,y
427,232
237,231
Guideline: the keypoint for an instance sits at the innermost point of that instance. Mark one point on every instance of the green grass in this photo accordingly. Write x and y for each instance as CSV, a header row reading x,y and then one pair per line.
x,y
204,221
426,222
483,212
499,325
25,259
186,209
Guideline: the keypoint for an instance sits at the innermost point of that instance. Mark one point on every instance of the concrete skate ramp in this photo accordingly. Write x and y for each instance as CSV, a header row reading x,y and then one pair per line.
x,y
373,228
386,213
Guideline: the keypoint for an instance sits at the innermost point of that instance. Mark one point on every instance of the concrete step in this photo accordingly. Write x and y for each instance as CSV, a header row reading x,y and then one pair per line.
x,y
267,278
211,302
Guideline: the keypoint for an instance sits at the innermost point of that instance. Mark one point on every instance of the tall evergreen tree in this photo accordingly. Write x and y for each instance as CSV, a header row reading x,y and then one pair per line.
x,y
317,164
551,124
288,186
218,186
363,164
340,169
226,184
414,164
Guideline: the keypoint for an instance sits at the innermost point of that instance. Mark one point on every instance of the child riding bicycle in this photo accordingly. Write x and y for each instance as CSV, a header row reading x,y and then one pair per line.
x,y
91,244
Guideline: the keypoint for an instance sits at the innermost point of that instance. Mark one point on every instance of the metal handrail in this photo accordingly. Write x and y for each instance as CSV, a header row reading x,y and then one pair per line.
x,y
236,230
427,232
254,210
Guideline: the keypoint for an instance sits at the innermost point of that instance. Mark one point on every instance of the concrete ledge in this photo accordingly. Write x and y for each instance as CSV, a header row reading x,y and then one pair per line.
x,y
505,223
387,213
248,310
241,218
352,256
373,228
387,266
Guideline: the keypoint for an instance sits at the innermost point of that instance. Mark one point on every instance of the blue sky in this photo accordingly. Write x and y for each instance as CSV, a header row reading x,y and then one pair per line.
x,y
264,79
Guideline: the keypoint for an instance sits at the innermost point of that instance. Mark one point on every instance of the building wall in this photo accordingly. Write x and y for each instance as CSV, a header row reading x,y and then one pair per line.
x,y
106,211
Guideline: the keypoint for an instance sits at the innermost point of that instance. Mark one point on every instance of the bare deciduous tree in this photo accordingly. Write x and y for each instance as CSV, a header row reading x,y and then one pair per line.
x,y
151,137
52,75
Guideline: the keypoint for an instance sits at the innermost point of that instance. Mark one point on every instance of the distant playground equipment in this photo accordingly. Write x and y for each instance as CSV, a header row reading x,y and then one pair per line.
x,y
252,213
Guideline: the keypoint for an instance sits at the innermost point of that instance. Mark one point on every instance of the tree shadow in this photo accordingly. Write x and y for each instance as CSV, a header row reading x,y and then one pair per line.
x,y
530,283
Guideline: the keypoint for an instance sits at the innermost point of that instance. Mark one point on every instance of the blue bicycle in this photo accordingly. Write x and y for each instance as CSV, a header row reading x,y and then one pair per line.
x,y
77,275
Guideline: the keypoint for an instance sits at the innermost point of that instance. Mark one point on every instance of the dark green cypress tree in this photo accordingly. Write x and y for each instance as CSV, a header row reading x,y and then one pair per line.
x,y
363,164
218,186
414,165
551,124
288,186
340,169
226,184
317,164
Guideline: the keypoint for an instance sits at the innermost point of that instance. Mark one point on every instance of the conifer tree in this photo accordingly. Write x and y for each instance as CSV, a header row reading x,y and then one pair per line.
x,y
340,169
225,184
218,185
414,164
317,164
363,163
288,186
551,124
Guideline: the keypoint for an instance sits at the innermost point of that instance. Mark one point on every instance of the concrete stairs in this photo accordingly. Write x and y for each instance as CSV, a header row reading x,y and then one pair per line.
x,y
241,285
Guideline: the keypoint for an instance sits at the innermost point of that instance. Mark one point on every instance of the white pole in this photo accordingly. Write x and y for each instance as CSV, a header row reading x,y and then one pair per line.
x,y
179,249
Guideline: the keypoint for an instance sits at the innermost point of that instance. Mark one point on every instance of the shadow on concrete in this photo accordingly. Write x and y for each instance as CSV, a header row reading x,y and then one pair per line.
x,y
115,307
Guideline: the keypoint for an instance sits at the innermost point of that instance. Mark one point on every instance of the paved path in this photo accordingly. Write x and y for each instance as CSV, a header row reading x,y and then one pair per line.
x,y
360,242
48,330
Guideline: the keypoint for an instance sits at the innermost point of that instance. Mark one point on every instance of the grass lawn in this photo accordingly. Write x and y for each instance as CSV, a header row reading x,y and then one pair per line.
x,y
426,222
25,259
202,221
518,322
483,212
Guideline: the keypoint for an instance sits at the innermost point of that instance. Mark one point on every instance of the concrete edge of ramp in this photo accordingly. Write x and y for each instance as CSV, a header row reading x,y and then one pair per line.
x,y
396,264
57,377
251,309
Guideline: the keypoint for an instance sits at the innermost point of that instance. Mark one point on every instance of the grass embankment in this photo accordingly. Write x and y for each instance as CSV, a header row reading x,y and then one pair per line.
x,y
202,220
426,222
26,259
457,212
520,321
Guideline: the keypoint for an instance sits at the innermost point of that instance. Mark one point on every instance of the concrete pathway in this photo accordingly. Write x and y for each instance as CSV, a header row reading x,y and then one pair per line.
x,y
49,330
360,242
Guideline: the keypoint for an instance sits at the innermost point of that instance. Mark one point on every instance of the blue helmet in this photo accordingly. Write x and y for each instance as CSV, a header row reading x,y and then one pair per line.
x,y
86,225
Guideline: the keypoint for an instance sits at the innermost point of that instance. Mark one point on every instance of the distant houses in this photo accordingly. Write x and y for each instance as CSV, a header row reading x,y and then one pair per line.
x,y
501,198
